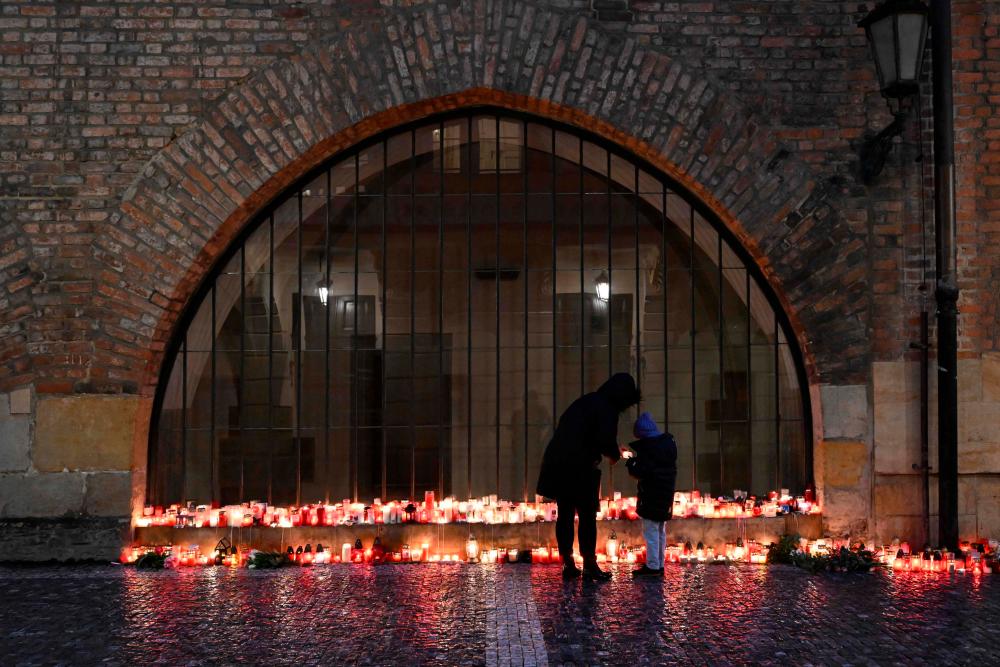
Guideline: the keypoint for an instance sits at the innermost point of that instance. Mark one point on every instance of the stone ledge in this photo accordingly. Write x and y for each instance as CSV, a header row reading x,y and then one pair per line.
x,y
63,540
450,538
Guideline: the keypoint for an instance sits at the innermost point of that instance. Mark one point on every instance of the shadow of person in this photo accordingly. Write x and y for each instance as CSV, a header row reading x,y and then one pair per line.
x,y
576,626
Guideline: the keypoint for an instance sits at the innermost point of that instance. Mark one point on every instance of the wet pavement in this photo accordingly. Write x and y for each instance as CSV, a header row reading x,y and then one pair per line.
x,y
454,614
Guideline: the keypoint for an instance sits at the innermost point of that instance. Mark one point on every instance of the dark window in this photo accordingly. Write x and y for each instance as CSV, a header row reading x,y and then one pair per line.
x,y
415,317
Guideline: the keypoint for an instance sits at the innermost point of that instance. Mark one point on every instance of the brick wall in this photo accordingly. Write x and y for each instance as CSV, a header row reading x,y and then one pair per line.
x,y
94,91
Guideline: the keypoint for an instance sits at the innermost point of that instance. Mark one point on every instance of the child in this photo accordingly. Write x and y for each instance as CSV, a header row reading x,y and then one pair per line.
x,y
655,466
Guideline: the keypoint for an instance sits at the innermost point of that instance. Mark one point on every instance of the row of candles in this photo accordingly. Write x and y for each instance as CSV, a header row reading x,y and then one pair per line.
x,y
487,510
977,558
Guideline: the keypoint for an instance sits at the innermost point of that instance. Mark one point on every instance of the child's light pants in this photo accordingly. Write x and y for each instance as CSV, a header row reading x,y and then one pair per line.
x,y
655,534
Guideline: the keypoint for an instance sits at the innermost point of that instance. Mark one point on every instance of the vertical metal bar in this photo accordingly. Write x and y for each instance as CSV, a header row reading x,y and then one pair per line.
x,y
413,302
326,335
694,375
297,433
722,368
468,308
184,429
555,290
213,461
355,366
777,408
243,375
496,374
383,472
440,328
611,282
270,363
664,221
639,304
583,291
749,410
524,307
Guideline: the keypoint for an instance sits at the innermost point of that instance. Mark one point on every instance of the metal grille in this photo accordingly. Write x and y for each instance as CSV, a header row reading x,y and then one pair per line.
x,y
415,316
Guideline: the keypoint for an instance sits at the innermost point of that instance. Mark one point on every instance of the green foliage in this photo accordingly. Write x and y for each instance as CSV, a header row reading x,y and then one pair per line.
x,y
266,560
785,551
150,561
851,560
842,559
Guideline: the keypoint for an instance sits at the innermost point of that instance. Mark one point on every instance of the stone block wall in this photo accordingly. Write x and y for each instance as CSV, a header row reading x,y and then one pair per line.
x,y
136,139
65,475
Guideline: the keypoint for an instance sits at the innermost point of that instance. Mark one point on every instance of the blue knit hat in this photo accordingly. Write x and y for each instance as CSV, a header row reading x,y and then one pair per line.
x,y
645,427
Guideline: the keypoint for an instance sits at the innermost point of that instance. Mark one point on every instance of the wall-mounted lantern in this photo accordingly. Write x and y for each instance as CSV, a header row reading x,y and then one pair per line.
x,y
896,31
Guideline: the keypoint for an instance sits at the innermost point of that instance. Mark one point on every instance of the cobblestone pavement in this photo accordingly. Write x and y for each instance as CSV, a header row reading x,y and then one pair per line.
x,y
493,615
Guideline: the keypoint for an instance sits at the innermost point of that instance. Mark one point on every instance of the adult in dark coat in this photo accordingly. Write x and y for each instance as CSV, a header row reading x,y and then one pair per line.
x,y
571,472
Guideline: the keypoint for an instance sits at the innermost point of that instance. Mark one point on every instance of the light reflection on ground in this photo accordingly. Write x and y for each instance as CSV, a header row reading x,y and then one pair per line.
x,y
462,614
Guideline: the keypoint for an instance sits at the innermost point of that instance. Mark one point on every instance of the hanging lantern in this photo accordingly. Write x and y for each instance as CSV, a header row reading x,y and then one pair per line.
x,y
323,290
602,285
896,31
472,549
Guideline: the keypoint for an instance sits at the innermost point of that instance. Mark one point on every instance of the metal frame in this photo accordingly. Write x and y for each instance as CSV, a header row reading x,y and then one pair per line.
x,y
669,187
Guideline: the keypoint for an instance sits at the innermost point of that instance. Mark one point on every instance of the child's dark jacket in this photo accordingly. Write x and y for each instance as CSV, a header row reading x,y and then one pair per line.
x,y
655,466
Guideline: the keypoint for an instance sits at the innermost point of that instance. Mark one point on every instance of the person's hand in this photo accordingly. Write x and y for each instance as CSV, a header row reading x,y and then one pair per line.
x,y
627,453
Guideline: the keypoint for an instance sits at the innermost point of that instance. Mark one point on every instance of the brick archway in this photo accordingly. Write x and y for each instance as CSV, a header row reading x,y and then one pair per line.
x,y
195,195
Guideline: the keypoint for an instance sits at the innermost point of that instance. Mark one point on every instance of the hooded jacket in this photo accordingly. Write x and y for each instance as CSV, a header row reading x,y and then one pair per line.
x,y
587,430
655,466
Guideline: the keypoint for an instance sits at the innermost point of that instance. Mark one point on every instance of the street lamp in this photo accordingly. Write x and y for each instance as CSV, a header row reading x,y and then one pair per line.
x,y
896,31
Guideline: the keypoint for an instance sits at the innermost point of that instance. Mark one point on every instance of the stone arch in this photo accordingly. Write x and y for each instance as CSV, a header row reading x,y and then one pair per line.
x,y
194,196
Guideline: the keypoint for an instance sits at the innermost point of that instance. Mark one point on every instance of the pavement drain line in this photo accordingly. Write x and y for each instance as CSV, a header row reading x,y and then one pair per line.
x,y
513,630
